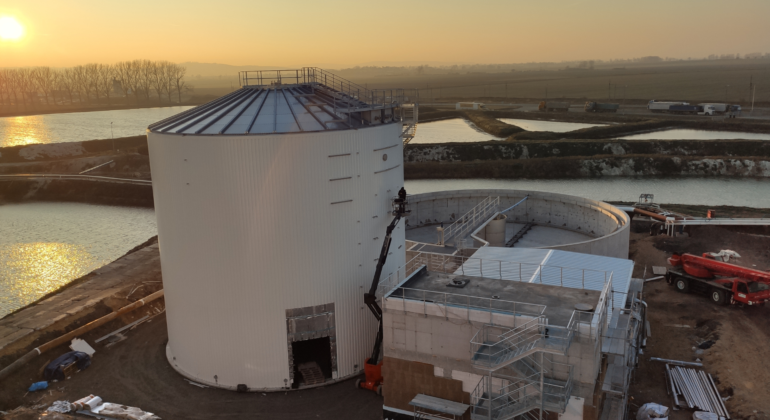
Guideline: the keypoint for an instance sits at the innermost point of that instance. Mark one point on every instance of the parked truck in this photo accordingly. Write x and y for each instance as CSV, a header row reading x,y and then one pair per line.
x,y
551,106
718,108
600,107
723,282
685,109
655,106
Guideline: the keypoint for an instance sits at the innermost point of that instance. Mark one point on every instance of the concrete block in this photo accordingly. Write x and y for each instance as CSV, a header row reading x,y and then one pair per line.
x,y
423,324
410,340
399,338
387,336
423,343
451,347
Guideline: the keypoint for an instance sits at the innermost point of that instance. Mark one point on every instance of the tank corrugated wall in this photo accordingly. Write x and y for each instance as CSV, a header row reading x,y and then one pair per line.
x,y
247,229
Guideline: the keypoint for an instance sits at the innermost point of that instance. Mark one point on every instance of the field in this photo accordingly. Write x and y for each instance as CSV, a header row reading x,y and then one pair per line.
x,y
693,81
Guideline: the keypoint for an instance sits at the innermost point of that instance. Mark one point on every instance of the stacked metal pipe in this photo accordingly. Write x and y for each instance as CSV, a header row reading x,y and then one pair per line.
x,y
696,389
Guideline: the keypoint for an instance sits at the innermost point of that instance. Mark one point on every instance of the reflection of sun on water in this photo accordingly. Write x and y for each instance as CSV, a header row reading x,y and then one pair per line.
x,y
29,271
23,130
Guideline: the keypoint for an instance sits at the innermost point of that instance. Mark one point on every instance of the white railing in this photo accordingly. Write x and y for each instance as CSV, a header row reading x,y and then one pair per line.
x,y
554,275
470,220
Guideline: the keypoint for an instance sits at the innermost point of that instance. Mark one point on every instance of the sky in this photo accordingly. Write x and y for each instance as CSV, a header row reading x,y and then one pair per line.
x,y
343,33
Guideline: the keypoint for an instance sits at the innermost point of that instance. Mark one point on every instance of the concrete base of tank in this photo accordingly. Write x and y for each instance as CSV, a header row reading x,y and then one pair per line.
x,y
172,361
560,221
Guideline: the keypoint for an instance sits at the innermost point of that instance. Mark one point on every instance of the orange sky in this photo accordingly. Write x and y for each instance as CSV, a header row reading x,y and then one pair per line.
x,y
337,33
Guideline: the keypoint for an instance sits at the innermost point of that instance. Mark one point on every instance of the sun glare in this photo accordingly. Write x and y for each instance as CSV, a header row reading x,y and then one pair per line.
x,y
10,29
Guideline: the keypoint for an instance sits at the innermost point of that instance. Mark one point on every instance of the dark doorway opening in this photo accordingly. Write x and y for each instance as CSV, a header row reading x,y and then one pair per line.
x,y
312,359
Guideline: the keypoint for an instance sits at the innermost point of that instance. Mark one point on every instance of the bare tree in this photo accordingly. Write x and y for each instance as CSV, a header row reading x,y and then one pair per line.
x,y
92,79
12,83
105,76
180,85
126,76
66,82
5,96
44,79
26,85
144,79
82,83
169,80
157,70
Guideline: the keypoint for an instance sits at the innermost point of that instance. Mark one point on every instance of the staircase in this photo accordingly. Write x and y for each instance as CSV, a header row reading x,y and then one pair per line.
x,y
502,397
470,220
409,120
495,347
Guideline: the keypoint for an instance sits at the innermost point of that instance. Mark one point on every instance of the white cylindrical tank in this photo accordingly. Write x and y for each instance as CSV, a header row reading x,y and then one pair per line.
x,y
268,243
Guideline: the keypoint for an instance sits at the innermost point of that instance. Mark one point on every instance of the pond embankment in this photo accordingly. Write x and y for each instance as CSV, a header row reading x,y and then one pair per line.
x,y
129,158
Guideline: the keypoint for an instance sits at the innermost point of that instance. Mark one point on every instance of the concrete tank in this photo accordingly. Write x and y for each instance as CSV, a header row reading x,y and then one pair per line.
x,y
270,232
494,232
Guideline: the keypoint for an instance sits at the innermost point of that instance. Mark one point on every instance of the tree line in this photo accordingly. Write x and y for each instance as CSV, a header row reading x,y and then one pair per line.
x,y
94,83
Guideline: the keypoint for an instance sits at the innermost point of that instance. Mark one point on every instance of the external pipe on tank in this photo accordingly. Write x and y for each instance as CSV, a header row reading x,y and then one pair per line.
x,y
75,333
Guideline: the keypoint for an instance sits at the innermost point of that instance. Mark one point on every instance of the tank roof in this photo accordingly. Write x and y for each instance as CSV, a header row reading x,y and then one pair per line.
x,y
289,101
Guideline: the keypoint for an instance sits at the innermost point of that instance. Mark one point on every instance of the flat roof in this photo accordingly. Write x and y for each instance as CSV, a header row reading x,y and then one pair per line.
x,y
559,301
554,267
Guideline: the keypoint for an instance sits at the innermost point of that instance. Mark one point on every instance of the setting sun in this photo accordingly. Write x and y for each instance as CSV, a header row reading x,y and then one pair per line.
x,y
10,29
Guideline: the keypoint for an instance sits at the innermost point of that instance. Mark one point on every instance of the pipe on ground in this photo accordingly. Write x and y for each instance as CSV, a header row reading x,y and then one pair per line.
x,y
75,333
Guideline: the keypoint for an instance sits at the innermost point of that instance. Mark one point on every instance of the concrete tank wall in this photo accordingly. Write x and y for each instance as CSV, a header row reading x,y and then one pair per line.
x,y
609,225
258,233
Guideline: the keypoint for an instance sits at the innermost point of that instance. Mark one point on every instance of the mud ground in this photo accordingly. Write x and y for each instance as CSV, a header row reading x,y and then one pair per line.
x,y
135,372
738,359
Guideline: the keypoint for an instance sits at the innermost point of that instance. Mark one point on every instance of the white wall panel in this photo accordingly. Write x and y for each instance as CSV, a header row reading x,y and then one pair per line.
x,y
247,230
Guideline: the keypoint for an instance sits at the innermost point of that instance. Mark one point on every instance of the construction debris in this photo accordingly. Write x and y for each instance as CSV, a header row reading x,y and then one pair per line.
x,y
652,411
60,407
121,329
94,406
676,362
697,390
82,346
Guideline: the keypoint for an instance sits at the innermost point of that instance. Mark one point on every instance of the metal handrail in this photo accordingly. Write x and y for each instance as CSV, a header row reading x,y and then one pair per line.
x,y
479,212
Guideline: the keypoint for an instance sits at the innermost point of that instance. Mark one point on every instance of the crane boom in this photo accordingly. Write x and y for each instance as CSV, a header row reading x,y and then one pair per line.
x,y
707,268
370,298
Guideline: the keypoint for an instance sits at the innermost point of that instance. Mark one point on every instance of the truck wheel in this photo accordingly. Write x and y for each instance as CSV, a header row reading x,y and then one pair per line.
x,y
718,296
682,285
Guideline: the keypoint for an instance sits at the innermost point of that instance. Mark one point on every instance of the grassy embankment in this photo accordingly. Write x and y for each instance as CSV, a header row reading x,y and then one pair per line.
x,y
587,152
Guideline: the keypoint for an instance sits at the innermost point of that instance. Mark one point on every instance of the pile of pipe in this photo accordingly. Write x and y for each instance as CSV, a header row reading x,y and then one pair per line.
x,y
697,390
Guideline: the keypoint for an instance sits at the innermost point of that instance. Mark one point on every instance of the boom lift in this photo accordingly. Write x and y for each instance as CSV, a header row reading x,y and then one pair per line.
x,y
373,365
721,281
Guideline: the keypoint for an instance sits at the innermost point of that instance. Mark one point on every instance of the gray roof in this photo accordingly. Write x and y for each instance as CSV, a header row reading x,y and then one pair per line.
x,y
306,105
555,267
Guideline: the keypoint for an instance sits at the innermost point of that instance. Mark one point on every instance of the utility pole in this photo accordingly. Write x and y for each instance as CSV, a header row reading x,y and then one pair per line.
x,y
112,135
753,93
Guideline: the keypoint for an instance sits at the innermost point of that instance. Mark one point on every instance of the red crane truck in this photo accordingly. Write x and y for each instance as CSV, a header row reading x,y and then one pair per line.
x,y
723,282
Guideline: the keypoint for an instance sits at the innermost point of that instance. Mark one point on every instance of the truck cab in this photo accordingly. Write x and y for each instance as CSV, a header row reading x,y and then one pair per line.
x,y
708,110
